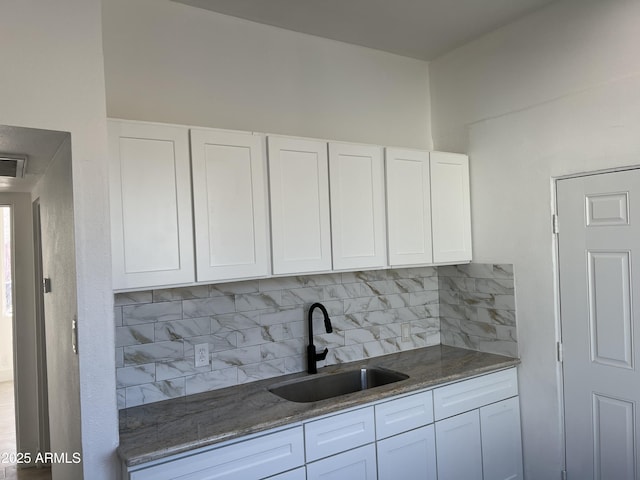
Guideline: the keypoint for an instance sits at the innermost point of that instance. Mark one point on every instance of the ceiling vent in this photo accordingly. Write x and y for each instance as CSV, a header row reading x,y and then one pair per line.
x,y
12,166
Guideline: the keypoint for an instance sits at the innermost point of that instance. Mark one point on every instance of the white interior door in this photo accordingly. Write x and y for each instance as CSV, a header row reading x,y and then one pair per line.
x,y
599,227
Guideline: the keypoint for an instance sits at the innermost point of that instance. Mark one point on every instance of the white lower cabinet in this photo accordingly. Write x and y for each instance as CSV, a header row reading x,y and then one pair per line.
x,y
459,447
408,455
480,420
476,435
357,464
501,440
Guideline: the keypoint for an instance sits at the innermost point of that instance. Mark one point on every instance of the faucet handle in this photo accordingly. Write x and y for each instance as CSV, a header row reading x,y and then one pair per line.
x,y
323,355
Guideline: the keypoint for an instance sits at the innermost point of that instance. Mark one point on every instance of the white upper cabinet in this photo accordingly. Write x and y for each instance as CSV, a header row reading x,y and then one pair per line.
x,y
195,205
450,207
300,219
358,230
230,205
150,191
408,207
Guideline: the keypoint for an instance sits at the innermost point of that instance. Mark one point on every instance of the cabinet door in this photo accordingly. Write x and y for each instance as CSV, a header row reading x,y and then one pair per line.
x,y
150,191
501,440
356,180
459,451
299,189
450,207
408,455
229,204
358,464
408,207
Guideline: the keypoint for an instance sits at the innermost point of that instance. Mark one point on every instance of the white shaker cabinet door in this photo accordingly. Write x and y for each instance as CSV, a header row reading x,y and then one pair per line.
x,y
408,207
358,229
150,192
408,455
459,449
501,440
450,207
357,464
300,219
229,204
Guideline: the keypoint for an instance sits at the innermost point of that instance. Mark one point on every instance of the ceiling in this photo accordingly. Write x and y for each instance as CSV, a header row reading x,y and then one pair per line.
x,y
38,145
422,29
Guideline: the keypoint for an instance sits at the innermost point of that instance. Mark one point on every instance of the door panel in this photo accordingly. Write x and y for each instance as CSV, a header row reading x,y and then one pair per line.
x,y
229,170
599,228
150,196
458,438
300,218
609,290
408,207
613,437
450,207
357,206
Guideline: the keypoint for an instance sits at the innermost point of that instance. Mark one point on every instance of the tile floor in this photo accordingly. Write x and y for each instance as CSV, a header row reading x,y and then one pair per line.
x,y
8,440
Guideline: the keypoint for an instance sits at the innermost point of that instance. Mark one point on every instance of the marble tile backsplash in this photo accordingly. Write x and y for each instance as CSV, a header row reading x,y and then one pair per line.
x,y
257,329
477,307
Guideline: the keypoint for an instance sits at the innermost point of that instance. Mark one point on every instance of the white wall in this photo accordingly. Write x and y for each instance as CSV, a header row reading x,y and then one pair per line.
x,y
53,79
169,62
55,193
553,94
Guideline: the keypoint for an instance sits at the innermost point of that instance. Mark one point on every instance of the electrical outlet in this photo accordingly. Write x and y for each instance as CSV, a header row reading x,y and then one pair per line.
x,y
202,354
406,331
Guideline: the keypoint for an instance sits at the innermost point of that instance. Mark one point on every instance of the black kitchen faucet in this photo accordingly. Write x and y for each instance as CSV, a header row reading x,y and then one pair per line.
x,y
312,355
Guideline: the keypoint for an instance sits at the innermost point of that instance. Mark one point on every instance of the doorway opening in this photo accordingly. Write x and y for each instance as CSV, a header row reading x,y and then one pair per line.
x,y
7,392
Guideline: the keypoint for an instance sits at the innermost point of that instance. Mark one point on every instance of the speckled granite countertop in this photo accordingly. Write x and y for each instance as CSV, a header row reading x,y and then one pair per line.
x,y
154,431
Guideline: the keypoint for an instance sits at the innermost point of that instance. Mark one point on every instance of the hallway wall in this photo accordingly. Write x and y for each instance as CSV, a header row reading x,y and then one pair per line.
x,y
55,81
60,305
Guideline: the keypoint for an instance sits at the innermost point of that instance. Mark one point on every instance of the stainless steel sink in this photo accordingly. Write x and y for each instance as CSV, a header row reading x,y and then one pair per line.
x,y
321,387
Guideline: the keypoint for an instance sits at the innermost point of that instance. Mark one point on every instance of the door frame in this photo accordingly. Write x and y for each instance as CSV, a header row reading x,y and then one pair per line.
x,y
556,292
40,327
24,368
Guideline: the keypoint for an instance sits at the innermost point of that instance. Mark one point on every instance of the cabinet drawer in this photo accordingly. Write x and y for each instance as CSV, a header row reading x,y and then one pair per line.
x,y
474,393
256,458
403,414
338,433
